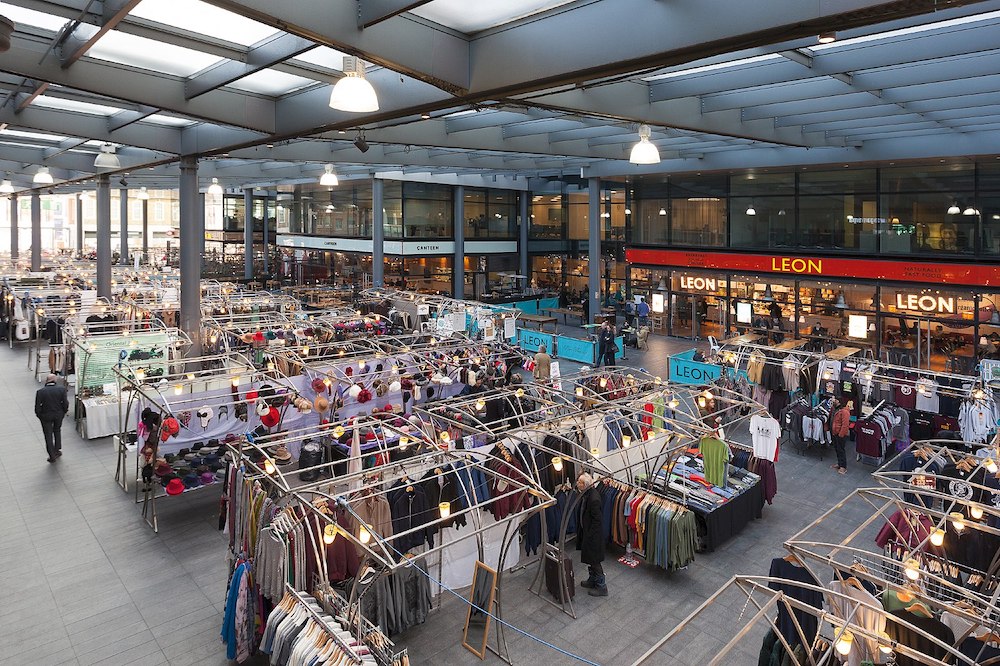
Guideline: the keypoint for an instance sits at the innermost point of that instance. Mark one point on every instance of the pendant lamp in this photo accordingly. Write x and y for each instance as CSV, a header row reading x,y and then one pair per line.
x,y
768,295
970,211
6,187
42,177
353,93
841,304
107,159
953,209
143,194
995,317
215,188
644,152
751,210
329,178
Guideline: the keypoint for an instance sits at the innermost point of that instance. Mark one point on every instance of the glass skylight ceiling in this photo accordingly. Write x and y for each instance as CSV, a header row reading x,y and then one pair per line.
x,y
136,51
205,19
466,16
323,56
170,121
22,16
271,82
75,106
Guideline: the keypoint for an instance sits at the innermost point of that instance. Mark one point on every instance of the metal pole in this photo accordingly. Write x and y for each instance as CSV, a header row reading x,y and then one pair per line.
x,y
201,225
378,233
264,241
14,228
123,226
459,271
36,230
145,231
594,247
79,223
192,237
103,237
248,234
522,243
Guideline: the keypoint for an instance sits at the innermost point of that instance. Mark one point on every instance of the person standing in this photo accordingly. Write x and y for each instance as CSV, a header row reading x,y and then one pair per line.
x,y
606,344
590,539
841,428
543,364
642,309
51,406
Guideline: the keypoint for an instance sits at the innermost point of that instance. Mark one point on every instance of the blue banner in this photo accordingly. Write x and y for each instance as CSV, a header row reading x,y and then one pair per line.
x,y
684,370
547,303
574,349
529,340
527,307
620,341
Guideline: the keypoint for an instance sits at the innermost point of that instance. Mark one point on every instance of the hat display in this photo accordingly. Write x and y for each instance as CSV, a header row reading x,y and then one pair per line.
x,y
354,391
241,411
282,456
261,407
207,478
162,468
205,415
191,480
321,404
271,418
171,425
185,417
175,486
318,385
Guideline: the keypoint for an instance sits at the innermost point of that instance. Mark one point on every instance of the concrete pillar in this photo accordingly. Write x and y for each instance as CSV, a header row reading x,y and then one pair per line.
x,y
123,225
265,240
79,223
14,228
103,237
378,233
594,246
459,260
248,234
36,230
191,243
522,240
145,231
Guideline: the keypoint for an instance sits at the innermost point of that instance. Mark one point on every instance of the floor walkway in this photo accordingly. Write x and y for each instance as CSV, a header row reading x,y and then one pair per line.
x,y
84,580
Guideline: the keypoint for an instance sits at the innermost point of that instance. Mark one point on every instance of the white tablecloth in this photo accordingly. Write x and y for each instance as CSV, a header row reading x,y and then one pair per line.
x,y
102,418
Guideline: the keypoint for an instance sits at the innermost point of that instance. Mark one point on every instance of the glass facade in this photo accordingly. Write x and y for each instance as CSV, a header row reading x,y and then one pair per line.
x,y
490,214
427,275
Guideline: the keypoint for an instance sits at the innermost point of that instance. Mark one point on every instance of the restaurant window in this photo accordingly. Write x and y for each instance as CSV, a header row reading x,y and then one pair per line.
x,y
836,314
650,219
547,216
426,275
928,223
929,328
428,211
838,222
763,222
547,271
392,209
490,214
763,305
696,304
579,208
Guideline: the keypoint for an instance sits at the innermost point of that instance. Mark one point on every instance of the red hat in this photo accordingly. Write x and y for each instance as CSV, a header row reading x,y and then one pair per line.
x,y
258,336
318,385
349,372
171,425
364,396
251,395
164,435
175,486
271,418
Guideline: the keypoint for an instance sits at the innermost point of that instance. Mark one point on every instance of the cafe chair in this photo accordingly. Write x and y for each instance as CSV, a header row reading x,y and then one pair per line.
x,y
713,345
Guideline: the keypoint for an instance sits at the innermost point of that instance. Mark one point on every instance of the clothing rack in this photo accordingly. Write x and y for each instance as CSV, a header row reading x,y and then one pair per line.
x,y
378,644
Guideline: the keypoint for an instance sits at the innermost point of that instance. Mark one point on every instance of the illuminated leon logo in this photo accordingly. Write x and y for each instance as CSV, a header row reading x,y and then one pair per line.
x,y
795,265
926,303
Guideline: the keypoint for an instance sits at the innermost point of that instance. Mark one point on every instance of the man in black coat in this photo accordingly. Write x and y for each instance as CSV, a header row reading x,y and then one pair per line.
x,y
51,406
590,536
605,344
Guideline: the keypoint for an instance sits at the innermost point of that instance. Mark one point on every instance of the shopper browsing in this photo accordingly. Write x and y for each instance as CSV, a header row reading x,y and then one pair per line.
x,y
590,539
51,406
841,428
543,364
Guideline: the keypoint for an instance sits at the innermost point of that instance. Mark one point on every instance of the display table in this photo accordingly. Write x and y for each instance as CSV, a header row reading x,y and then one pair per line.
x,y
100,417
719,525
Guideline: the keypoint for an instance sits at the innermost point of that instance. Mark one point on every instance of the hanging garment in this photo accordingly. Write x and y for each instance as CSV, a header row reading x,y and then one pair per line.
x,y
765,431
783,569
716,455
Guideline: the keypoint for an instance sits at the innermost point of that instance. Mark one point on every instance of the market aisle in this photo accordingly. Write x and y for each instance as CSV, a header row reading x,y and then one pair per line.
x,y
83,579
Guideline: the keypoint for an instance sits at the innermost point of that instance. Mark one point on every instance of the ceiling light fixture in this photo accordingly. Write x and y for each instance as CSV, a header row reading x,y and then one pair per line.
x,y
953,209
644,152
43,177
329,178
7,187
143,194
107,159
360,143
663,211
353,93
827,37
970,211
215,188
751,210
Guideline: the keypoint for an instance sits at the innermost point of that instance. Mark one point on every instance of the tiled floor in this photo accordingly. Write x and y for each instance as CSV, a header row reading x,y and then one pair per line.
x,y
83,580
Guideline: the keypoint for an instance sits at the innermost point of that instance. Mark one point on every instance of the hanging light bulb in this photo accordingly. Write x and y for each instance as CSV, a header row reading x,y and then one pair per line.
x,y
268,466
215,188
701,401
6,187
991,466
650,435
912,569
663,212
236,381
445,436
604,382
970,210
480,405
107,159
957,520
42,177
594,451
937,537
845,642
975,512
885,643
404,442
751,210
579,391
140,374
626,441
519,393
329,534
557,463
709,395
178,389
329,178
673,403
364,536
353,93
657,380
142,194
444,508
338,431
305,350
644,152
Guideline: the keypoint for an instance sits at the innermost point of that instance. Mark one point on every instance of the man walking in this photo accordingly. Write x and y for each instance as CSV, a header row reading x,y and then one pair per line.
x,y
543,365
841,429
51,406
590,538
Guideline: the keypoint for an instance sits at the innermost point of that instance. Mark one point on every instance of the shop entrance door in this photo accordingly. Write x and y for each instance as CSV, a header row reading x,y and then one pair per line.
x,y
709,317
682,311
935,344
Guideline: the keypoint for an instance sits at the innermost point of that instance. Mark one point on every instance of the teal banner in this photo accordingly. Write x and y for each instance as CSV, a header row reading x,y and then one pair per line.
x,y
529,340
574,349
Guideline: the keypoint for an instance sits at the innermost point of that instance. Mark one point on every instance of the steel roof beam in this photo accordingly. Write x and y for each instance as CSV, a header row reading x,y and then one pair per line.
x,y
371,12
75,43
50,121
261,55
126,118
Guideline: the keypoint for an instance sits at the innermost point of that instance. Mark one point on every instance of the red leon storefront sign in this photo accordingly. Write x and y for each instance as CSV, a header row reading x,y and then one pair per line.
x,y
977,275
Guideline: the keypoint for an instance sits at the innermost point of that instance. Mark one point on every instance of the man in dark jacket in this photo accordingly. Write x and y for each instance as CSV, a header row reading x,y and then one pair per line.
x,y
606,344
51,406
590,537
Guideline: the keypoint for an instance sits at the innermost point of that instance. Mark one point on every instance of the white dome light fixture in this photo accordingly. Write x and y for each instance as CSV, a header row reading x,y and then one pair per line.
x,y
143,194
751,210
329,178
953,209
353,93
107,159
42,177
215,188
644,152
970,211
7,187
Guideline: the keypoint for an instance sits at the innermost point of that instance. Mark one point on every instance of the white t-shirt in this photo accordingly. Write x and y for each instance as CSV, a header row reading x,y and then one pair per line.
x,y
765,432
927,397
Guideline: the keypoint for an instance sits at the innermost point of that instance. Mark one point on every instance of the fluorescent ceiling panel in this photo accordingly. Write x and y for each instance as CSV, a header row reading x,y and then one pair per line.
x,y
148,54
271,82
75,106
170,121
204,19
466,16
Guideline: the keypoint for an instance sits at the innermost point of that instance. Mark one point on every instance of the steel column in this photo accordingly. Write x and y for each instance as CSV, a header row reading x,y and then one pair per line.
x,y
103,237
201,225
79,223
378,233
123,225
36,230
192,238
145,230
248,234
14,228
522,234
264,241
594,246
459,260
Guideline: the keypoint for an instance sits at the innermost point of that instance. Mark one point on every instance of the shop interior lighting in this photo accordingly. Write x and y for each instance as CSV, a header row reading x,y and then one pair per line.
x,y
626,441
329,178
970,211
353,93
364,536
444,508
841,303
557,463
106,159
845,642
329,534
768,295
663,211
644,152
42,177
975,513
912,569
957,520
937,537
953,209
991,466
215,188
143,194
827,38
